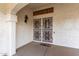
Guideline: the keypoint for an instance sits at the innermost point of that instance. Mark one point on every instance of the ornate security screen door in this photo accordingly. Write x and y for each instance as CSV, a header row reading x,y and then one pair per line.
x,y
42,29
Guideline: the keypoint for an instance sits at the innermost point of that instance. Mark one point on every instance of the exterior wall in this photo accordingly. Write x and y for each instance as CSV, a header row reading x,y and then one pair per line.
x,y
65,24
8,27
3,33
24,30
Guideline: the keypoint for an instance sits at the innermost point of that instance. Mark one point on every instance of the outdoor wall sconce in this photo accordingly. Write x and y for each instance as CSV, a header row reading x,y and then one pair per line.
x,y
26,18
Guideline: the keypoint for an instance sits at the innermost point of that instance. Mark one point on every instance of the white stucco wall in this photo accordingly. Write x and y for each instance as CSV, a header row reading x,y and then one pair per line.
x,y
3,33
8,27
24,30
7,34
65,24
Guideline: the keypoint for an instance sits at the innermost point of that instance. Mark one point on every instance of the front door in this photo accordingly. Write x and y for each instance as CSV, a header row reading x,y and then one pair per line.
x,y
42,29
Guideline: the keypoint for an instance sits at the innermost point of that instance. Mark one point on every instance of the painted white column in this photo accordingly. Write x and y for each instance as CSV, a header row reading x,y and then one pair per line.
x,y
12,19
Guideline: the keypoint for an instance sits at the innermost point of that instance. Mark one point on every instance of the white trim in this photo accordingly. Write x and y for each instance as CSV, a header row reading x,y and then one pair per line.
x,y
42,42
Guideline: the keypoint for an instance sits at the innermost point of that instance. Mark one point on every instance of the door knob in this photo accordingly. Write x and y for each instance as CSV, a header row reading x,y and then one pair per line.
x,y
54,32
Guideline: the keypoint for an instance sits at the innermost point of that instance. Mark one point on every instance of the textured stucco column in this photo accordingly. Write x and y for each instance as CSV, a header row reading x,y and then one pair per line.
x,y
12,19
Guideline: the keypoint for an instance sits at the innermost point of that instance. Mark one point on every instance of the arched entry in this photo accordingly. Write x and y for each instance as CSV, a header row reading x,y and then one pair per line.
x,y
12,19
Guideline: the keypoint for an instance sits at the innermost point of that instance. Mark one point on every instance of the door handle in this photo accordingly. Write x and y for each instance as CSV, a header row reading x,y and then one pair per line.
x,y
54,32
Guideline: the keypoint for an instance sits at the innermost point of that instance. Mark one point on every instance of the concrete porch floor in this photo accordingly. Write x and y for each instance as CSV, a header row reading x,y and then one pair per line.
x,y
35,49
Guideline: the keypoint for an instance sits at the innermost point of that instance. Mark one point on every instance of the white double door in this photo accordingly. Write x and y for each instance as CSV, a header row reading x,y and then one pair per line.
x,y
42,29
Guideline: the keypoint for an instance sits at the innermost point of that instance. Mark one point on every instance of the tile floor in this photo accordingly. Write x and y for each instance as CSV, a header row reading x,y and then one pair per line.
x,y
35,49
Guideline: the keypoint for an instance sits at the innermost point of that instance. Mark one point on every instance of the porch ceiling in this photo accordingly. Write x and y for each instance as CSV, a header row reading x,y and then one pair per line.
x,y
36,5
